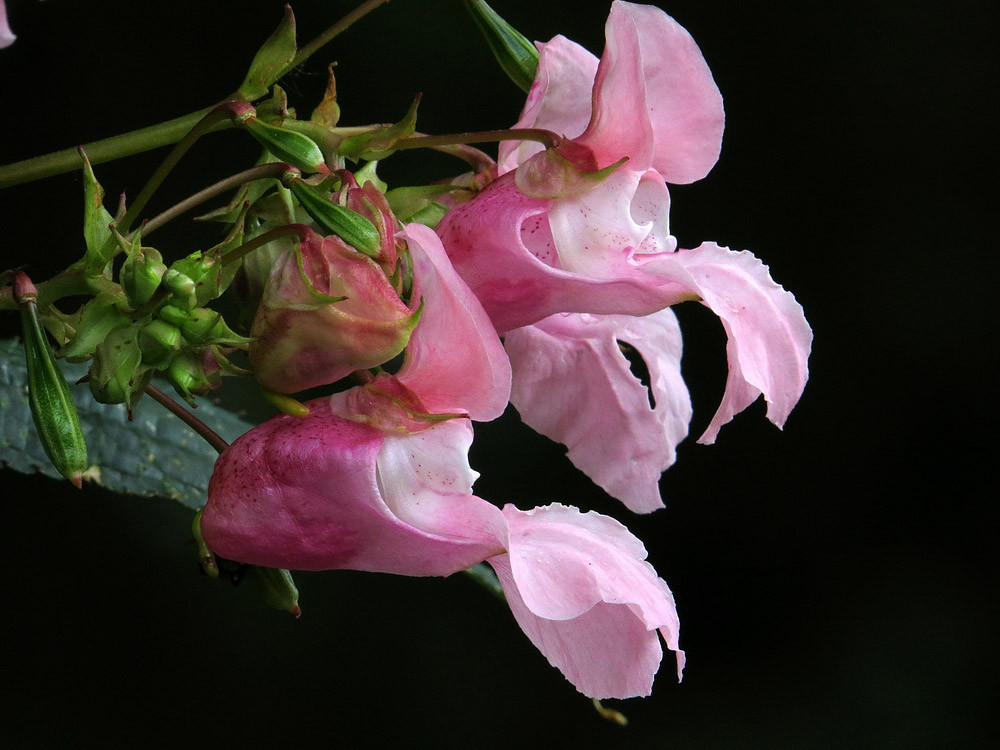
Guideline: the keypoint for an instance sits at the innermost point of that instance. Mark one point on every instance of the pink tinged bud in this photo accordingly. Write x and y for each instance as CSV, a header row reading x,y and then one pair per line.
x,y
321,492
580,588
621,441
326,312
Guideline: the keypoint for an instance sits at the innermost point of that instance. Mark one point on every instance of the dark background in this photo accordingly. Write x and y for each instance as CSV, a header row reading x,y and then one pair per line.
x,y
834,580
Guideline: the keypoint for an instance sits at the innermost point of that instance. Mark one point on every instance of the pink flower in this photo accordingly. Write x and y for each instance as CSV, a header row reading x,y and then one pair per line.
x,y
7,36
580,588
608,251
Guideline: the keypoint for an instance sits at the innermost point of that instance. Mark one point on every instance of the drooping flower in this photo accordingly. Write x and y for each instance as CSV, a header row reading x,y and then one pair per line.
x,y
581,589
608,251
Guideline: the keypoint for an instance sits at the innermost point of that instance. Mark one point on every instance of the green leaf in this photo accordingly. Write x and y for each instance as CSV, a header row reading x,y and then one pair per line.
x,y
271,59
155,455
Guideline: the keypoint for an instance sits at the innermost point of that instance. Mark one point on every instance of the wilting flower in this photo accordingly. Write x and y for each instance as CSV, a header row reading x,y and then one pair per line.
x,y
608,250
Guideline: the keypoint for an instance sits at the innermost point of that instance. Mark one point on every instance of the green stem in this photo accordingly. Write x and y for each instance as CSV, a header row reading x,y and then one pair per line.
x,y
107,149
211,436
260,172
300,230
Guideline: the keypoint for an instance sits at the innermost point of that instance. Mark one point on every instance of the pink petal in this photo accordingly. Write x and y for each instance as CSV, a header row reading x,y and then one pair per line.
x,y
305,493
454,360
769,338
579,587
502,246
559,99
620,123
684,104
7,36
619,441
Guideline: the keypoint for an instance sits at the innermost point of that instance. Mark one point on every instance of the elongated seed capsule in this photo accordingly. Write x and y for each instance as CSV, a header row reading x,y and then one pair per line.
x,y
52,407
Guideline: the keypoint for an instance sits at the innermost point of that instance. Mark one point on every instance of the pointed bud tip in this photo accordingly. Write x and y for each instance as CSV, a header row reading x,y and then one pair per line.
x,y
77,481
296,610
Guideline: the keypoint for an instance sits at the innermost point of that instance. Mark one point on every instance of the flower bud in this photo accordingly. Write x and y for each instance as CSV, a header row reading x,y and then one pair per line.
x,y
326,312
194,375
276,588
196,279
117,375
202,327
141,274
159,342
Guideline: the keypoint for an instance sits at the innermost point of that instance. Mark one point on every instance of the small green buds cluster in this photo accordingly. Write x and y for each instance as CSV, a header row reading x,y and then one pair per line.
x,y
52,407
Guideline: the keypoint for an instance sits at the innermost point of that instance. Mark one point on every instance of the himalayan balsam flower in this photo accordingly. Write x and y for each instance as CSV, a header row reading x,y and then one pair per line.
x,y
374,479
537,263
7,36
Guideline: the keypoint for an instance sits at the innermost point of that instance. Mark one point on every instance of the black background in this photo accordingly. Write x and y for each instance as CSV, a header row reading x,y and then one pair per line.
x,y
834,580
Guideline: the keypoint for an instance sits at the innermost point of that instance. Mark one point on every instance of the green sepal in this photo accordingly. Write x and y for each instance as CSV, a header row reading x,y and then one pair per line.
x,y
274,56
350,226
201,277
141,273
202,327
275,107
368,173
290,146
97,235
117,375
188,377
52,407
517,56
206,558
276,588
61,326
561,172
430,215
405,202
378,143
159,343
98,318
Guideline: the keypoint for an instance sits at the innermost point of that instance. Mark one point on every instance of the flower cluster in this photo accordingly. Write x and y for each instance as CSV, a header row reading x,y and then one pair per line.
x,y
566,253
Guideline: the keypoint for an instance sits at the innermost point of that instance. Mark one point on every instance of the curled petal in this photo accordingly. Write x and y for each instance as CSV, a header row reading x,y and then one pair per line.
x,y
769,338
322,493
619,441
454,360
580,588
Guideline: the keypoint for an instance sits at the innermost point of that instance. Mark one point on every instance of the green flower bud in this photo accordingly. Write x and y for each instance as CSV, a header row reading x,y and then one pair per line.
x,y
196,279
194,375
159,343
276,587
52,407
516,55
141,274
117,375
202,327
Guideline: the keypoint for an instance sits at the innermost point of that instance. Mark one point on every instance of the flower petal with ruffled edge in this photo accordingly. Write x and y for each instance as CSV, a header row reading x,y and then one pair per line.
x,y
322,493
580,588
769,338
619,441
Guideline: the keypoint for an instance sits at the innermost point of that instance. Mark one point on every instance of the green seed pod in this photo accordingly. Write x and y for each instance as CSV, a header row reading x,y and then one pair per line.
x,y
295,148
516,55
350,226
52,407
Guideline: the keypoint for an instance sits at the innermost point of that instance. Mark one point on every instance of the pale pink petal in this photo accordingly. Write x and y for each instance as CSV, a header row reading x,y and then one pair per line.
x,y
502,246
454,360
769,338
304,493
618,440
559,99
684,104
7,36
620,123
580,588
